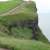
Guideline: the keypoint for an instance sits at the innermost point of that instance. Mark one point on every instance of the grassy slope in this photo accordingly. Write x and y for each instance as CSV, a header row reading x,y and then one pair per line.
x,y
25,33
5,6
17,44
8,41
27,13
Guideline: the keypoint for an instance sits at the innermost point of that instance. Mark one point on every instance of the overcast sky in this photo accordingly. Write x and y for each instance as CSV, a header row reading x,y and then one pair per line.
x,y
43,5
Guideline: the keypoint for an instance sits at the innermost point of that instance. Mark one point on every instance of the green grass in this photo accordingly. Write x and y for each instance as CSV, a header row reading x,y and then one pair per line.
x,y
27,13
6,6
20,39
17,44
18,17
20,33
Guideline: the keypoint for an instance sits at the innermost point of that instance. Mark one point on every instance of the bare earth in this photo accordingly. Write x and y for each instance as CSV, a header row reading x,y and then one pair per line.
x,y
4,49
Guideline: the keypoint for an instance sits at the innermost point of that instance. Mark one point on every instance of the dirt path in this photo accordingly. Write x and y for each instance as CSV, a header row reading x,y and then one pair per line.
x,y
15,10
4,49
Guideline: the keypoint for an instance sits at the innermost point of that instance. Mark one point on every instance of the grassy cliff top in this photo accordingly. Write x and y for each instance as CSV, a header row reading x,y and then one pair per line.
x,y
28,11
11,41
24,12
6,6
